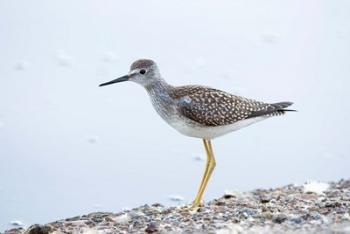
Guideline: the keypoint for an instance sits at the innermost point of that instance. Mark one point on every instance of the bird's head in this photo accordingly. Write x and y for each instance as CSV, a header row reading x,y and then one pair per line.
x,y
142,71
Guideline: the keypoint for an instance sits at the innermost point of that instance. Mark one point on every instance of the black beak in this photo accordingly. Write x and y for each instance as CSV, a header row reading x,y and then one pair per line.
x,y
120,79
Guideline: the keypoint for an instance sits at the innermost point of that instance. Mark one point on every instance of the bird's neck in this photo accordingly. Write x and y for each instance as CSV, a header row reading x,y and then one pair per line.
x,y
160,88
160,94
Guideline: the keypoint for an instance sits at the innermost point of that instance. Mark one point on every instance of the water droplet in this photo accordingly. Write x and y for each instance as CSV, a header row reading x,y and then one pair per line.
x,y
21,66
16,223
198,158
176,198
63,59
97,206
270,38
109,57
93,139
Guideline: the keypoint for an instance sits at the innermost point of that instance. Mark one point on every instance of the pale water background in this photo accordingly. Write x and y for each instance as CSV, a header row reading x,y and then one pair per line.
x,y
68,147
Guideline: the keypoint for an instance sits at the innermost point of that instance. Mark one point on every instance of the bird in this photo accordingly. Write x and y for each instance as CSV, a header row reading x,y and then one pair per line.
x,y
199,111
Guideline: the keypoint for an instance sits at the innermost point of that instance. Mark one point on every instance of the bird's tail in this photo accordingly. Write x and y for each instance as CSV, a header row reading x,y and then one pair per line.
x,y
280,107
273,109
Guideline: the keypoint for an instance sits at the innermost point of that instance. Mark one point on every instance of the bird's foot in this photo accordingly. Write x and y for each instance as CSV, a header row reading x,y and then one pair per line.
x,y
196,204
192,208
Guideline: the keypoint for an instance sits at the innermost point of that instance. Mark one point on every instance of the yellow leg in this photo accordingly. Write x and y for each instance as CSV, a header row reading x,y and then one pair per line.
x,y
209,168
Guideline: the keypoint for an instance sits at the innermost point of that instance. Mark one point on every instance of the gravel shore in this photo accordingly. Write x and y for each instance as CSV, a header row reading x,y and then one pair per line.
x,y
308,208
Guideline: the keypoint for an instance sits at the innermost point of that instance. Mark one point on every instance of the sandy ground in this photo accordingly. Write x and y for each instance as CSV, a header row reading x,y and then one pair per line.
x,y
309,208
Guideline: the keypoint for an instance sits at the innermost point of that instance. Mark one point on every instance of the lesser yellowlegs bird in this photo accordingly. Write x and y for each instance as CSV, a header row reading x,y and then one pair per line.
x,y
199,111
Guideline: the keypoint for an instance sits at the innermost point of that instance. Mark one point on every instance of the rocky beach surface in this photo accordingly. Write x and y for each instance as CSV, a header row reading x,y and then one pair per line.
x,y
309,208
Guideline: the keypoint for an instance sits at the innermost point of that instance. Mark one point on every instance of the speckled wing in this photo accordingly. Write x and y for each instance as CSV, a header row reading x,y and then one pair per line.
x,y
211,107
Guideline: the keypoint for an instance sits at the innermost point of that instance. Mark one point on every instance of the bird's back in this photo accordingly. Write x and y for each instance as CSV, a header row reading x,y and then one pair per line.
x,y
212,107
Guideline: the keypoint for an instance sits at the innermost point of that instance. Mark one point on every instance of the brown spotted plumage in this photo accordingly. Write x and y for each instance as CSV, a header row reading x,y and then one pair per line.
x,y
212,107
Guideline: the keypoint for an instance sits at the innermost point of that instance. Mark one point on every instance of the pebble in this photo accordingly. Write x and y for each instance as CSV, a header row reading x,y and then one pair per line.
x,y
152,227
288,209
39,229
264,198
279,218
315,187
122,219
230,194
16,223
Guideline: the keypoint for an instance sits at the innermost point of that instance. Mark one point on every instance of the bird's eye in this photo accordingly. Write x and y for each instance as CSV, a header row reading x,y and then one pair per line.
x,y
142,71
